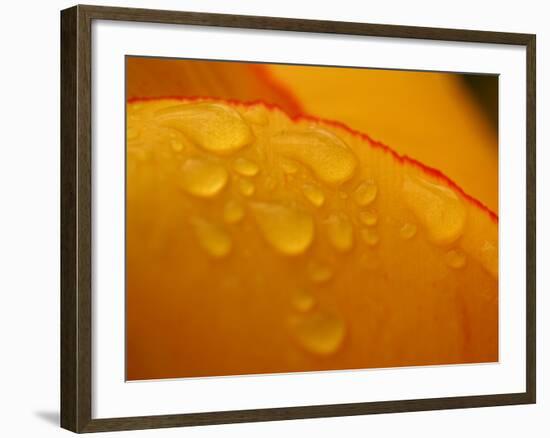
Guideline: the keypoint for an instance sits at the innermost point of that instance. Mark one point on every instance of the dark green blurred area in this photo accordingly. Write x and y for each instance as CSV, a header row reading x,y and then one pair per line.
x,y
485,90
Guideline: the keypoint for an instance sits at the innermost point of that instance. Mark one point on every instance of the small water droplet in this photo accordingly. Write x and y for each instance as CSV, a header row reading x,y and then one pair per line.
x,y
303,301
215,127
365,193
340,231
314,194
245,167
455,258
246,187
368,217
320,332
407,231
212,238
325,154
370,236
177,146
319,272
203,178
233,212
437,207
287,229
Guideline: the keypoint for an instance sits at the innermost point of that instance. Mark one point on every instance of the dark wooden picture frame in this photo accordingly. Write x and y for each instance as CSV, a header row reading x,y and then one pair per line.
x,y
76,218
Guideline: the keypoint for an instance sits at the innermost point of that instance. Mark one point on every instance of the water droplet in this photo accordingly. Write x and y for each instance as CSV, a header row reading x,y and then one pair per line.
x,y
326,155
203,178
370,236
407,231
314,194
455,258
214,127
319,272
365,193
233,212
488,256
303,301
437,207
288,230
340,231
212,238
320,332
246,187
368,217
245,167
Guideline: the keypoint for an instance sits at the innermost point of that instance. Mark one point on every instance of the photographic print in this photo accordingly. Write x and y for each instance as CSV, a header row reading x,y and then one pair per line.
x,y
297,218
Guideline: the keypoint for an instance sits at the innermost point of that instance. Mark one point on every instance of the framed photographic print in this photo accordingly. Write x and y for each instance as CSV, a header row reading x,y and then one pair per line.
x,y
268,218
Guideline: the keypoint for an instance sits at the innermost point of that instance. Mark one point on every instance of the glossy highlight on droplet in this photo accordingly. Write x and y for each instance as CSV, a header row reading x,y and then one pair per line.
x,y
203,178
325,154
214,127
365,193
245,167
437,208
340,231
288,230
320,332
314,194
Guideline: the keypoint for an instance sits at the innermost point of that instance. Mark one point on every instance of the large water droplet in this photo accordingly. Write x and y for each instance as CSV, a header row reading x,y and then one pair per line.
x,y
212,238
245,167
340,231
203,178
214,127
455,258
365,193
320,332
438,208
326,155
233,212
287,229
314,194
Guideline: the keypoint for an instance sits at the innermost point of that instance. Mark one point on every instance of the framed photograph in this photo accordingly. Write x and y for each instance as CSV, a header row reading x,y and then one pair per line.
x,y
269,218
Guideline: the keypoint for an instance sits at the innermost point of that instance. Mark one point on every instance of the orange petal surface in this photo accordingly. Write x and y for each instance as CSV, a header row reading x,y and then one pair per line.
x,y
261,243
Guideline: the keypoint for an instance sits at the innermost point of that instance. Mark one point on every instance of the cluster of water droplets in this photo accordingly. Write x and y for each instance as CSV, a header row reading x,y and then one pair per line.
x,y
221,133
